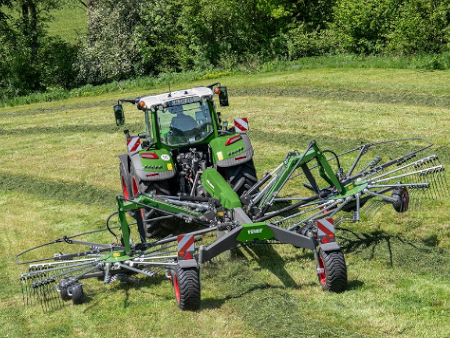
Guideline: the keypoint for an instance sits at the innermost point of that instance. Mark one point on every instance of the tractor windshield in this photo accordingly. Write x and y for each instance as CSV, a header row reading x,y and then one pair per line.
x,y
185,124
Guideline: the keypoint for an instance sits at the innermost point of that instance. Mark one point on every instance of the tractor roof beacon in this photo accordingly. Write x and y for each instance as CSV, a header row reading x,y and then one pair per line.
x,y
183,136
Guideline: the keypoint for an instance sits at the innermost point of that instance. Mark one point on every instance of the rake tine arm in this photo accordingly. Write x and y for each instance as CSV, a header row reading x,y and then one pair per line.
x,y
405,175
415,164
363,150
286,209
397,185
299,213
331,205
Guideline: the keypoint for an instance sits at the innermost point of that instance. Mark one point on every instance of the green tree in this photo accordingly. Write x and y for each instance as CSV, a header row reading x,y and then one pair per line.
x,y
109,50
160,38
28,61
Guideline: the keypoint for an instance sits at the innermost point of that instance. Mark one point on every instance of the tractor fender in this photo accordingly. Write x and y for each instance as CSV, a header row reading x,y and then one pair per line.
x,y
238,152
158,169
188,263
125,159
332,246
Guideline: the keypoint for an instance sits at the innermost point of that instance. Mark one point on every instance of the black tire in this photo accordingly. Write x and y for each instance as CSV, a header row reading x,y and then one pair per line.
x,y
63,289
241,177
158,187
125,183
402,199
76,290
186,284
334,275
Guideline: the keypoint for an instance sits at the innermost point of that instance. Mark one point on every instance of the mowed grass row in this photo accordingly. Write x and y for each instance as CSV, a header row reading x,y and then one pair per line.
x,y
59,176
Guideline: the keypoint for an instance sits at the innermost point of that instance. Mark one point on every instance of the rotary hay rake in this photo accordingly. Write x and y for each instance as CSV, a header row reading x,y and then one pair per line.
x,y
260,216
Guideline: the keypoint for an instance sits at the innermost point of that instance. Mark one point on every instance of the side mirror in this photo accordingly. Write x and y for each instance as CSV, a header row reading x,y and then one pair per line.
x,y
119,115
223,96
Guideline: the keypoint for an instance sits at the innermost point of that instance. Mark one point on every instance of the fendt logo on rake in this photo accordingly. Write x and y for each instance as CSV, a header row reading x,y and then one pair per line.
x,y
223,195
255,231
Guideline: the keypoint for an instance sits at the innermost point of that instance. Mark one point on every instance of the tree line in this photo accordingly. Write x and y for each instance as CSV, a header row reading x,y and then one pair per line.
x,y
133,38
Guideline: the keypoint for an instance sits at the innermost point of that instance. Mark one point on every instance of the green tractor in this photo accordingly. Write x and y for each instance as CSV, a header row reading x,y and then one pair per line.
x,y
184,135
189,167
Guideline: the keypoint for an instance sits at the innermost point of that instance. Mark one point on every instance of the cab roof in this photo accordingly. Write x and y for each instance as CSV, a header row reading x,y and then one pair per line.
x,y
175,98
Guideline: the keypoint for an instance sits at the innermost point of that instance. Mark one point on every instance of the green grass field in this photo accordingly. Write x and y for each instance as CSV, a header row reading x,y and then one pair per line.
x,y
69,22
59,176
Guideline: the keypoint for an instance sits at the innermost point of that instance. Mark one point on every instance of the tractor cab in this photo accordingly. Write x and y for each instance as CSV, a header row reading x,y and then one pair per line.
x,y
183,124
179,119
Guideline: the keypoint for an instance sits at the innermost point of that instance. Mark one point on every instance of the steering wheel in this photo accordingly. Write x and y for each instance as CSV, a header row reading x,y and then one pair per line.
x,y
176,131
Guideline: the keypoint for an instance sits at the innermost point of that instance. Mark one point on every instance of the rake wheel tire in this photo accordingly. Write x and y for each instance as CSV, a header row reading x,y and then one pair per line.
x,y
76,289
63,290
402,199
334,275
186,284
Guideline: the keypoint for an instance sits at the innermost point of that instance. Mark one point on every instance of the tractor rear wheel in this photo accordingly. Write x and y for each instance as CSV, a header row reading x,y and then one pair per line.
x,y
241,177
333,271
125,182
159,188
186,284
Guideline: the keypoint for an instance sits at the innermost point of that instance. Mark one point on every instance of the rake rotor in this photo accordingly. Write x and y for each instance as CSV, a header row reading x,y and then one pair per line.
x,y
403,182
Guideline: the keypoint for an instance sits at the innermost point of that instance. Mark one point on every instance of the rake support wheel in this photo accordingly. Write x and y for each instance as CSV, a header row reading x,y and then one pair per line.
x,y
63,290
333,276
77,294
186,284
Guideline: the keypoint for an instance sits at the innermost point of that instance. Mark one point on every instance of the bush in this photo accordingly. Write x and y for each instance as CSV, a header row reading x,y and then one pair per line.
x,y
109,51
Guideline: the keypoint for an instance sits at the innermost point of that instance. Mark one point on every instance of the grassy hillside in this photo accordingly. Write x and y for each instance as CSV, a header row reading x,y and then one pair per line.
x,y
59,176
69,22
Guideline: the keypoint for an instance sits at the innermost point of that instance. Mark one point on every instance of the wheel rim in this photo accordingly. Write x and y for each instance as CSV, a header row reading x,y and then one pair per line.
x,y
176,288
322,274
124,188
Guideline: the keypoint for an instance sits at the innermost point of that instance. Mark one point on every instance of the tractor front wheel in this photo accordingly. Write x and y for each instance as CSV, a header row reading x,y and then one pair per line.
x,y
186,284
241,177
333,271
